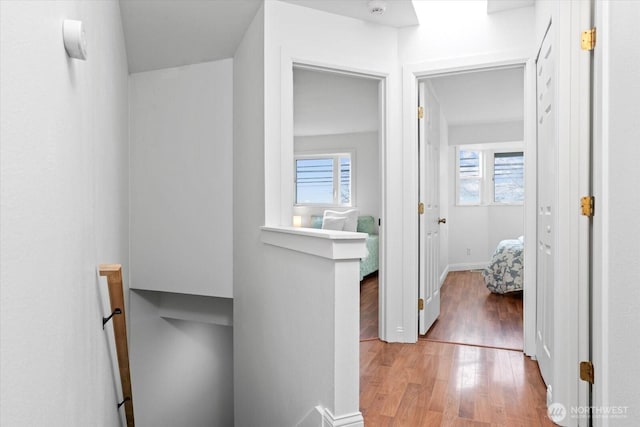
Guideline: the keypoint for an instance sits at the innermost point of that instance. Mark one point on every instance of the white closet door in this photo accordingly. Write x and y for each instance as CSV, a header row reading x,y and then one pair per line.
x,y
547,184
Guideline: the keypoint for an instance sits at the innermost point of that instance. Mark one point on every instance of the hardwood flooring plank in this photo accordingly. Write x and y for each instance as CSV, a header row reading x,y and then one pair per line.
x,y
441,384
369,307
437,382
471,314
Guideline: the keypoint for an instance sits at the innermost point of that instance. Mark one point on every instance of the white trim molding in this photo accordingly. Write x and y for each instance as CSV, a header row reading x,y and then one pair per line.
x,y
336,245
444,274
349,420
466,266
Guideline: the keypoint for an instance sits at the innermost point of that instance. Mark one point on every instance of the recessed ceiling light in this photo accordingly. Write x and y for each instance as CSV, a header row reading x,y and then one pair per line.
x,y
377,7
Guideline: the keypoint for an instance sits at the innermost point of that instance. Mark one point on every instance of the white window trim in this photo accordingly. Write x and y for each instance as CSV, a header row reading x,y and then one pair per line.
x,y
336,176
487,187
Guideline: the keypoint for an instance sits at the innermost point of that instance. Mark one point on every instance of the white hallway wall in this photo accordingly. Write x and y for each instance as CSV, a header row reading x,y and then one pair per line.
x,y
305,34
248,198
182,243
64,184
280,387
181,173
619,296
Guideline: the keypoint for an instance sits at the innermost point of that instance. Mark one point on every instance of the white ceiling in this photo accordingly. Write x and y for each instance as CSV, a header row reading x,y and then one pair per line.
x,y
494,6
399,13
493,96
170,33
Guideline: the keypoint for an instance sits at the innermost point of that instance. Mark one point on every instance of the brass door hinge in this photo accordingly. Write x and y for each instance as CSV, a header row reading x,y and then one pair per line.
x,y
420,208
420,304
421,112
587,205
586,371
588,39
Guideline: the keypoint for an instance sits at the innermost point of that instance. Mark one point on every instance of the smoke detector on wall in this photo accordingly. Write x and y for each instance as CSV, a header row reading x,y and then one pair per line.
x,y
377,7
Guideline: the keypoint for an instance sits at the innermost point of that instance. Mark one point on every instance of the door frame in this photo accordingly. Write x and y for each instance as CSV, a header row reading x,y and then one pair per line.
x,y
411,74
289,61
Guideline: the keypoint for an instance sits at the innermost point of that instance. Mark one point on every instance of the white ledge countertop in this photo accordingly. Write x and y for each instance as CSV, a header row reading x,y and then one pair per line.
x,y
331,244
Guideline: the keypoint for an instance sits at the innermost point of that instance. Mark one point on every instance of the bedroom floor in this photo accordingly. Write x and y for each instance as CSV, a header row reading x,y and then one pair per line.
x,y
461,382
471,314
369,307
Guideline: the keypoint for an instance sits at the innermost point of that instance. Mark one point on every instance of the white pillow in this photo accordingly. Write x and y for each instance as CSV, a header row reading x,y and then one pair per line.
x,y
330,223
350,216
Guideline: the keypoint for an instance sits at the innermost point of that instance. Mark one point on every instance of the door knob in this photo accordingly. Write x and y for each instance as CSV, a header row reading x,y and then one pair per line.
x,y
442,220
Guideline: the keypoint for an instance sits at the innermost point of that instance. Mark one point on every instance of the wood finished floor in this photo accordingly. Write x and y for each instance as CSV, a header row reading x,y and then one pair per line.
x,y
440,384
471,314
435,383
369,307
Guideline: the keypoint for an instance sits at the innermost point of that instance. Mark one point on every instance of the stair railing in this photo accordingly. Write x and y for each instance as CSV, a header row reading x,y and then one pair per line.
x,y
113,272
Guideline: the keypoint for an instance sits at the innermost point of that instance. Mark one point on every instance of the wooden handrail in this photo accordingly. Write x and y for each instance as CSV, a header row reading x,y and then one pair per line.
x,y
113,272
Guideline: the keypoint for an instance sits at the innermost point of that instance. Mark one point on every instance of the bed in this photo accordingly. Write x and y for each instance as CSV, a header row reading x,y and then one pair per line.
x,y
366,224
505,271
369,264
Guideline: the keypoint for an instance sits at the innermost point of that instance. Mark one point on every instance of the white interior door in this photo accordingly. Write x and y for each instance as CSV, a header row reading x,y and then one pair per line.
x,y
547,185
429,236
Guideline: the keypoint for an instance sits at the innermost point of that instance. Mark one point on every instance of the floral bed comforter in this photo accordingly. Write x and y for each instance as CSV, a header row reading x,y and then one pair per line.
x,y
370,264
505,271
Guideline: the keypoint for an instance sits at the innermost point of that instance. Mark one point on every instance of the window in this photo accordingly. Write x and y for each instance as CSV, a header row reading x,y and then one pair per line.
x,y
487,176
469,177
324,179
508,177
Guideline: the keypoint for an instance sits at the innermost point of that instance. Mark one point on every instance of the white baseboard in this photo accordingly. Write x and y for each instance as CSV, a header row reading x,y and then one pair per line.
x,y
468,266
349,420
443,276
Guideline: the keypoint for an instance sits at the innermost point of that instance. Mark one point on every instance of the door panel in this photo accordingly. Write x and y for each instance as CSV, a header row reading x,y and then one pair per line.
x,y
429,233
547,184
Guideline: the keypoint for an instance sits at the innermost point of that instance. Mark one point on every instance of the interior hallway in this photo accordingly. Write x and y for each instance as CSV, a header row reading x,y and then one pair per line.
x,y
434,383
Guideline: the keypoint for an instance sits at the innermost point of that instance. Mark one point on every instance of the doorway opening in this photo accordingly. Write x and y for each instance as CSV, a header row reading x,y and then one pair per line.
x,y
338,167
473,152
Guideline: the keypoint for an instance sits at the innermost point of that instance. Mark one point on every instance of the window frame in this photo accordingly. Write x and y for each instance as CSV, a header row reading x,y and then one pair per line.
x,y
335,155
493,180
479,178
487,153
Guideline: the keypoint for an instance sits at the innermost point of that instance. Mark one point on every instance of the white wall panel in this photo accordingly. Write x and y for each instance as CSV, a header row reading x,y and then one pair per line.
x,y
181,181
182,370
64,175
